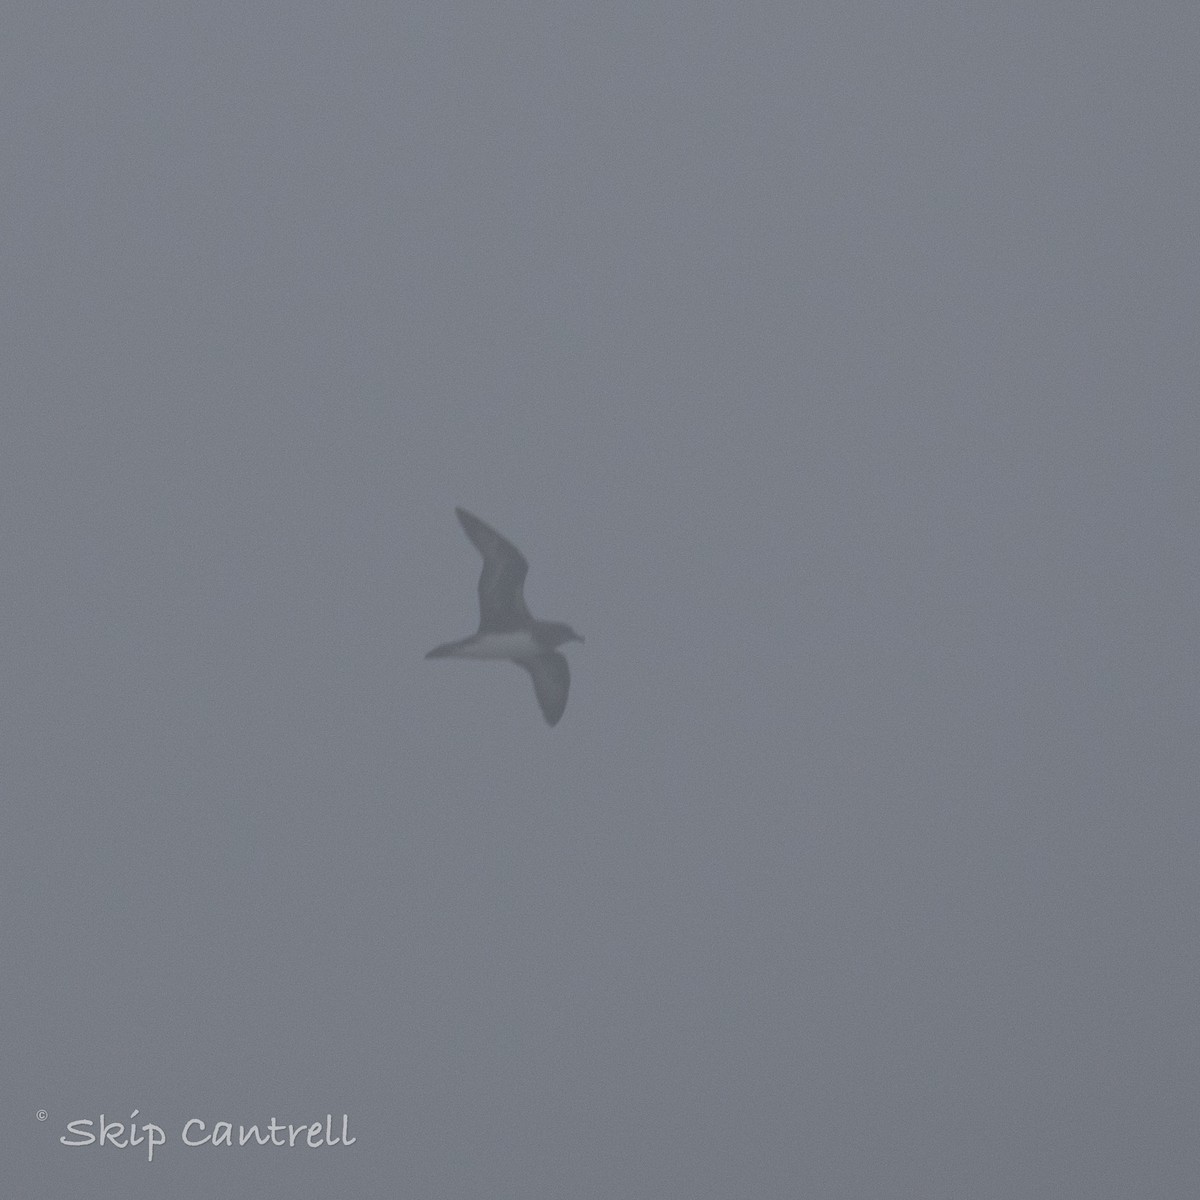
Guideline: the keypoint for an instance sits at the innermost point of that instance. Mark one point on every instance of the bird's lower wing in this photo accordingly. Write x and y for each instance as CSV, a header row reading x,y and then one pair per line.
x,y
551,682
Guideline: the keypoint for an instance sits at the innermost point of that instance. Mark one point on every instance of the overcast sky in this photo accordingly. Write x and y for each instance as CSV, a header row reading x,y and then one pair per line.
x,y
834,364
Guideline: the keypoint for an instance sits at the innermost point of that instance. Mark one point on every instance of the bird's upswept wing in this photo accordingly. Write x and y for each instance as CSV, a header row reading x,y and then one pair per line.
x,y
501,600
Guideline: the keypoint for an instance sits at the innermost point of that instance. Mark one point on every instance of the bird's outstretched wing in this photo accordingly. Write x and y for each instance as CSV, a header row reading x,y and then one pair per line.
x,y
551,682
501,602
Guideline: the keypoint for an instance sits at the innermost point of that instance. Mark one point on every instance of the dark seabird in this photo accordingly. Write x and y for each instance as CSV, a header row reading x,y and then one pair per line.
x,y
506,630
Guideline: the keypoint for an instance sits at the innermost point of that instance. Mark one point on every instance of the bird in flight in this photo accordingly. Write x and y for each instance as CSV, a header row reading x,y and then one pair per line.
x,y
506,630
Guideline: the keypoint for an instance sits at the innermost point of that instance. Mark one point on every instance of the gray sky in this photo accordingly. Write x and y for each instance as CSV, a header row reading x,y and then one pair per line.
x,y
834,365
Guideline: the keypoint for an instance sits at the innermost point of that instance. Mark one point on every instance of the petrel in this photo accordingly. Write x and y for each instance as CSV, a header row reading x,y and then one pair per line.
x,y
506,630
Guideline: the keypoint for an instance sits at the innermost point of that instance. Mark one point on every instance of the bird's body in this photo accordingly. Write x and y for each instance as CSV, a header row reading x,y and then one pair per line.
x,y
506,629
